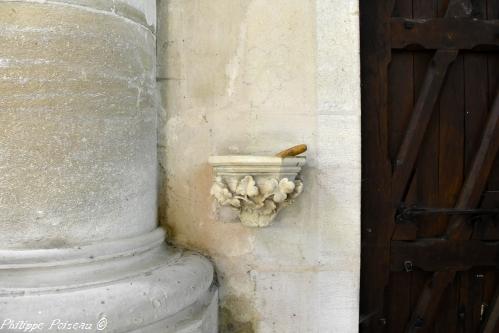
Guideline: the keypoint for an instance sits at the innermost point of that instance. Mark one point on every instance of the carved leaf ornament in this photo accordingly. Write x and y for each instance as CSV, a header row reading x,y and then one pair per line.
x,y
258,202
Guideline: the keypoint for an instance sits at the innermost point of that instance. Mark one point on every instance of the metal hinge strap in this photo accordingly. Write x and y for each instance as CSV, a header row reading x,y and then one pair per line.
x,y
408,214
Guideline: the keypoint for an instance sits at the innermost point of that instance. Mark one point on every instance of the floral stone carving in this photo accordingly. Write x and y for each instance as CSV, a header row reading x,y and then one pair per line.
x,y
256,189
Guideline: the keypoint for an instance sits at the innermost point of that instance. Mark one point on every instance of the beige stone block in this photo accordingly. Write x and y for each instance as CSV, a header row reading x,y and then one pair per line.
x,y
75,88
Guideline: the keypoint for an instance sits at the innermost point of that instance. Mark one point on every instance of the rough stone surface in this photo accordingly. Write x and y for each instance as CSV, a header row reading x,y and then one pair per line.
x,y
78,119
255,77
79,241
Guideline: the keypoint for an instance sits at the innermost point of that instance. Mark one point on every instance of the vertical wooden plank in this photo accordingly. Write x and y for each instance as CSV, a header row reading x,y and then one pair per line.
x,y
400,105
425,180
471,287
463,316
491,281
402,8
398,301
450,180
377,209
451,141
493,85
400,98
427,163
476,105
492,321
476,292
426,168
450,166
492,9
424,8
493,79
447,319
417,284
489,286
421,118
442,7
488,229
489,289
477,102
479,9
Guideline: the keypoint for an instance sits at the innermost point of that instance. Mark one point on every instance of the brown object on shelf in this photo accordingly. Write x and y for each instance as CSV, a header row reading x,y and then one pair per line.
x,y
293,151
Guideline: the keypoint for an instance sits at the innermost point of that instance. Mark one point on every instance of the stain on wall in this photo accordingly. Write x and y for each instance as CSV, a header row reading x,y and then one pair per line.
x,y
255,77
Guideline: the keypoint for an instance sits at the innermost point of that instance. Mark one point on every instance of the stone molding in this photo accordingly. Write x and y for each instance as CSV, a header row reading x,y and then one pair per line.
x,y
82,253
163,285
256,187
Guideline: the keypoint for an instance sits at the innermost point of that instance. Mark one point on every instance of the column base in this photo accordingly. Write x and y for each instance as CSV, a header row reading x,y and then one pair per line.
x,y
133,285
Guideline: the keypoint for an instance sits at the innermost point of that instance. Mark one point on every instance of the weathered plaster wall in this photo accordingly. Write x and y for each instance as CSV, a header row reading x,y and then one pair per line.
x,y
257,76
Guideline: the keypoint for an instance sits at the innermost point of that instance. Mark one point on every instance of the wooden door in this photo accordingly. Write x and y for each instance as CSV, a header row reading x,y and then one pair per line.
x,y
430,197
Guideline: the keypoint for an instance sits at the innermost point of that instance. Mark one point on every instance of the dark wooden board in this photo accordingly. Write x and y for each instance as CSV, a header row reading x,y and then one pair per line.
x,y
376,174
430,71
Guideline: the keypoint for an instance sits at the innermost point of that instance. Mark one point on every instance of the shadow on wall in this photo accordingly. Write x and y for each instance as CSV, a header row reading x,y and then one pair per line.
x,y
227,322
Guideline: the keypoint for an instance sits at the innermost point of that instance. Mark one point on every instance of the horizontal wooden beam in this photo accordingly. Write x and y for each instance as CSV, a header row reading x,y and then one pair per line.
x,y
444,33
442,255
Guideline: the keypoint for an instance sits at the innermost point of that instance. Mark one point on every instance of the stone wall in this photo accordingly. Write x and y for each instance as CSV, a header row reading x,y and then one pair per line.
x,y
254,77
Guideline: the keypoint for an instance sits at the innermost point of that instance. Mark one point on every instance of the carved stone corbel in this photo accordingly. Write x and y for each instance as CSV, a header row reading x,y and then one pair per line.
x,y
256,187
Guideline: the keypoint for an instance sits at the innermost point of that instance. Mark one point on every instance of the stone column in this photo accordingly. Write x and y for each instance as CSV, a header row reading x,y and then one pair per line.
x,y
79,241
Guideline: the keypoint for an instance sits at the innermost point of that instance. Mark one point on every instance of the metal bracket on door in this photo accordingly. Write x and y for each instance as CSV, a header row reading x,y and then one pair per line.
x,y
408,214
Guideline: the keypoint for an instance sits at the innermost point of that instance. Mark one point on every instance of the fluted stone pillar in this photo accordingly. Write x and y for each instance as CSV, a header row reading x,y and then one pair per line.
x,y
79,240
